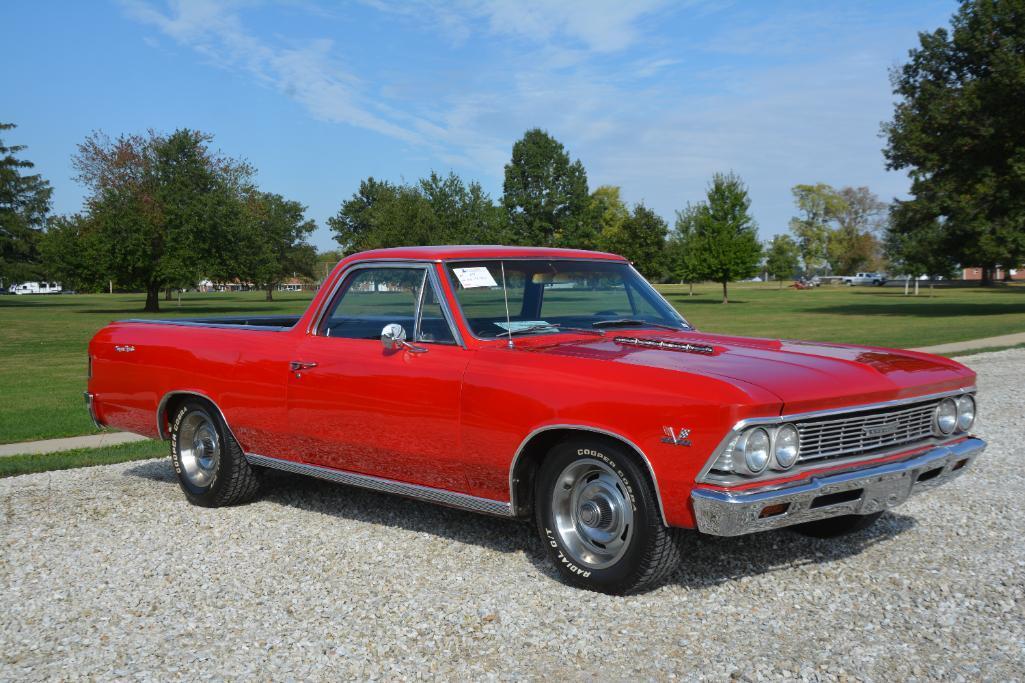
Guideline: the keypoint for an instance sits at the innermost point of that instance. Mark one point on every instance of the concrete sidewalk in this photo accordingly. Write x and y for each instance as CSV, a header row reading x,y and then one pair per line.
x,y
70,443
973,344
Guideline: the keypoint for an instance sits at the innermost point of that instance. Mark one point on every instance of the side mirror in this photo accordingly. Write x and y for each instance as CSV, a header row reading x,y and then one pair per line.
x,y
393,338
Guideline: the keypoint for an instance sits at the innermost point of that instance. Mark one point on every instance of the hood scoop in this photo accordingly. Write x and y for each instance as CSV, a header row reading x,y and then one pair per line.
x,y
666,345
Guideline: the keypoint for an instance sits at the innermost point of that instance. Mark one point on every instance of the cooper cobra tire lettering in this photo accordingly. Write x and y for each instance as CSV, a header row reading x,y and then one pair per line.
x,y
653,549
587,452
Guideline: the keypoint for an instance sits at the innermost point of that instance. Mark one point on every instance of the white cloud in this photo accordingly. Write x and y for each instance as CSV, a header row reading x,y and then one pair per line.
x,y
308,73
643,108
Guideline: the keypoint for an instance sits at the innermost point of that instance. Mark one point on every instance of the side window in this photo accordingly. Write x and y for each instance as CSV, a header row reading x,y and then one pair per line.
x,y
371,298
433,325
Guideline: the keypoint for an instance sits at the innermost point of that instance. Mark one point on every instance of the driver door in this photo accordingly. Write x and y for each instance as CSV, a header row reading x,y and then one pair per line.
x,y
358,406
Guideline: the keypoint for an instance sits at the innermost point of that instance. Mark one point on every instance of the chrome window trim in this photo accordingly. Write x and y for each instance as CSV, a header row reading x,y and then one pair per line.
x,y
427,266
797,417
220,326
459,307
584,428
430,494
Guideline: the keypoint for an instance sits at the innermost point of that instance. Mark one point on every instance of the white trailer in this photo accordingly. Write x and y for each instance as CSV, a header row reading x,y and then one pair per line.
x,y
35,288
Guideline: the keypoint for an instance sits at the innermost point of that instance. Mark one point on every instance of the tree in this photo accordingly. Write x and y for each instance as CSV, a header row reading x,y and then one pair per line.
x,y
783,258
461,213
73,254
270,244
819,204
163,206
725,235
24,204
682,250
435,210
641,238
852,245
606,214
959,129
545,194
913,243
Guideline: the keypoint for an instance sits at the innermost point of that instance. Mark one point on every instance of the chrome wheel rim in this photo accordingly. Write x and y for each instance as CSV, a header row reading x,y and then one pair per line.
x,y
593,514
199,448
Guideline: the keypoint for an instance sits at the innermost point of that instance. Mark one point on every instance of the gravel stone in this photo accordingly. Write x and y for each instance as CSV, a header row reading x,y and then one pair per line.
x,y
108,573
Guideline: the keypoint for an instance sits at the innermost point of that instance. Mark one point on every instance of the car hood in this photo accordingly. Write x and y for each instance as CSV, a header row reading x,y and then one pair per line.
x,y
804,375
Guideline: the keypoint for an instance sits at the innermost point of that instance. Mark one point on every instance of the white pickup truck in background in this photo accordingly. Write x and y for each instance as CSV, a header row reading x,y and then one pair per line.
x,y
874,279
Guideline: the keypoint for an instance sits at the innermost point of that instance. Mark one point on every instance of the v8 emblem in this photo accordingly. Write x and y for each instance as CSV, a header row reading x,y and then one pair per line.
x,y
674,438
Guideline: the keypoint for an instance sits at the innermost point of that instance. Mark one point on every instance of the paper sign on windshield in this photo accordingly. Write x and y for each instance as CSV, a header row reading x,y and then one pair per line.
x,y
474,277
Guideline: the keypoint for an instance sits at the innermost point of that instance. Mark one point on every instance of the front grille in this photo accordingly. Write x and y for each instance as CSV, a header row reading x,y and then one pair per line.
x,y
860,433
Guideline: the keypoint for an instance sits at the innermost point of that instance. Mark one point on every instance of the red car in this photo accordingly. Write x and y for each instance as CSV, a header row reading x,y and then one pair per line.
x,y
546,384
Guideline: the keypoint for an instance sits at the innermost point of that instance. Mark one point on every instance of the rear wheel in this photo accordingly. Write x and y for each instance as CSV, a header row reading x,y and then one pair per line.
x,y
837,526
597,513
211,468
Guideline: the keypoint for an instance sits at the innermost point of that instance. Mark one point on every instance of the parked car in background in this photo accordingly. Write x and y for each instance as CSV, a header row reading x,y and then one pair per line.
x,y
550,385
36,288
874,279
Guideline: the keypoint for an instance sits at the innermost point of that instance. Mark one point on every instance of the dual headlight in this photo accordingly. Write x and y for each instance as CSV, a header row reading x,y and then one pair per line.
x,y
954,415
761,447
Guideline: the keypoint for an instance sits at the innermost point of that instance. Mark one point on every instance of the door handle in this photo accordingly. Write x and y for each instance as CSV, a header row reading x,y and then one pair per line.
x,y
298,365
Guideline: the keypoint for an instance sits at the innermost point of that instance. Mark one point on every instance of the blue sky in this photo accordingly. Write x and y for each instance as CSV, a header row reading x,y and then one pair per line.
x,y
651,96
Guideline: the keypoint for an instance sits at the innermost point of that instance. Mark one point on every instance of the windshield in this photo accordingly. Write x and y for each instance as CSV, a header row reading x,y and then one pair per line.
x,y
544,296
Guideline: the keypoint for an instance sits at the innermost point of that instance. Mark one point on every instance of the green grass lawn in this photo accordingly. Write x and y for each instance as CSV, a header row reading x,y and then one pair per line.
x,y
13,465
43,338
43,342
879,316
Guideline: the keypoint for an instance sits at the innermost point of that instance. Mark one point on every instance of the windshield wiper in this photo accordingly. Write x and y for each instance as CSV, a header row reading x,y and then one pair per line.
x,y
535,328
626,322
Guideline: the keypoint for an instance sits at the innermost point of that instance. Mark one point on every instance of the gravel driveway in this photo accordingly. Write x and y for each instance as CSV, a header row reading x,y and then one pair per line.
x,y
108,572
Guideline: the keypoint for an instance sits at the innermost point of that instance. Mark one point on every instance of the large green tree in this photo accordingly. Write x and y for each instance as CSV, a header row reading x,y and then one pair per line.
x,y
270,242
914,243
852,244
73,253
819,204
435,210
725,236
24,204
162,205
606,214
959,129
783,258
545,194
641,237
683,256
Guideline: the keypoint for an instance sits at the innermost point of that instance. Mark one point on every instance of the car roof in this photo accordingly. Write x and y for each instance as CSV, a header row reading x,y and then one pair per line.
x,y
464,251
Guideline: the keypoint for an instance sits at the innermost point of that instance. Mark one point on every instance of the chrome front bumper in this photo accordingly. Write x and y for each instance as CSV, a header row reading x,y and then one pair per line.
x,y
859,492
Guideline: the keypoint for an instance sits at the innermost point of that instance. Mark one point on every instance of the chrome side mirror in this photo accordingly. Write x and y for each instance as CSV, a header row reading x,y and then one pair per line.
x,y
393,338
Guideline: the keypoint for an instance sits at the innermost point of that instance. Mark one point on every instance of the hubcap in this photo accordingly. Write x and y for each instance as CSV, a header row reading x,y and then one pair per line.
x,y
199,448
593,514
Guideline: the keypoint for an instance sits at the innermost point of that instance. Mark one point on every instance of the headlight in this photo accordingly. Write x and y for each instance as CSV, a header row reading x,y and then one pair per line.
x,y
787,446
965,413
751,454
945,417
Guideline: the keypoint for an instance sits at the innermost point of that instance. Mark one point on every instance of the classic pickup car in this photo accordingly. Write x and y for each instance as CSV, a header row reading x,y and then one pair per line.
x,y
547,384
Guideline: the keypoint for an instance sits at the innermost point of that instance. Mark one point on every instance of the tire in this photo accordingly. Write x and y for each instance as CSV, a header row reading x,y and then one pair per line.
x,y
611,538
211,468
837,526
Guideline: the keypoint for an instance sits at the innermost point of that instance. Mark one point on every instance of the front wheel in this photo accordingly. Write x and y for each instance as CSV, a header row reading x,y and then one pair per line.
x,y
211,468
597,513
